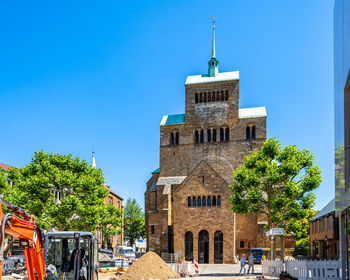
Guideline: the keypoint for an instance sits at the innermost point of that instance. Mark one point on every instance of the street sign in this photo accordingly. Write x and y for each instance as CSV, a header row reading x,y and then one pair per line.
x,y
275,231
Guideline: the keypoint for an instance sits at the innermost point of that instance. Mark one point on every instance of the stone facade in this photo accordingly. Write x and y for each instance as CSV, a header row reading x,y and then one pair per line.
x,y
196,165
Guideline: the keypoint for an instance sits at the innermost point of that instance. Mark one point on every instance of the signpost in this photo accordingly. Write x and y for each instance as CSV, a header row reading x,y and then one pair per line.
x,y
272,233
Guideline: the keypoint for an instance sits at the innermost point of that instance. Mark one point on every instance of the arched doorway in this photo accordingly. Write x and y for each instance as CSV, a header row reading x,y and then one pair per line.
x,y
189,246
218,247
203,247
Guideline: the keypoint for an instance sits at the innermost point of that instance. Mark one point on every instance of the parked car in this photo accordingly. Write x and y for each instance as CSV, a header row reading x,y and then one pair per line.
x,y
257,254
126,252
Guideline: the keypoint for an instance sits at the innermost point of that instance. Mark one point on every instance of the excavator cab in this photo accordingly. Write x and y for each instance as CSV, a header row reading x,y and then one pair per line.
x,y
71,255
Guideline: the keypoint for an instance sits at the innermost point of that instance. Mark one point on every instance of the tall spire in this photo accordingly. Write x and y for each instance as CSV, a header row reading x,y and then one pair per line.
x,y
213,45
93,162
213,63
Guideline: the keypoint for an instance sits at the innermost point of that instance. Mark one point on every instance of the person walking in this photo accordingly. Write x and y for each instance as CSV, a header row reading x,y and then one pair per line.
x,y
251,260
243,260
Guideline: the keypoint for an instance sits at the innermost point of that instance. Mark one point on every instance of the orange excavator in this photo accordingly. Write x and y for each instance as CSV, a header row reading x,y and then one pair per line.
x,y
60,255
22,226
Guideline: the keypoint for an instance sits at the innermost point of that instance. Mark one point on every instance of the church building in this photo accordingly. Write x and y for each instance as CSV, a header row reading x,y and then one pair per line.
x,y
187,198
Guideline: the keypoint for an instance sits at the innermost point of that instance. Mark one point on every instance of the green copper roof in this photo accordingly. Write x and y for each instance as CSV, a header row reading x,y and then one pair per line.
x,y
328,209
156,171
173,119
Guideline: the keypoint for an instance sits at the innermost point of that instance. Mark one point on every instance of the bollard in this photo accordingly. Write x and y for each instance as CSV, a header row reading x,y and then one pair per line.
x,y
196,270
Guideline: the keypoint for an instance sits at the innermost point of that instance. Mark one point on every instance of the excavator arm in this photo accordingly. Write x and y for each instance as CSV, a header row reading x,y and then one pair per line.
x,y
28,233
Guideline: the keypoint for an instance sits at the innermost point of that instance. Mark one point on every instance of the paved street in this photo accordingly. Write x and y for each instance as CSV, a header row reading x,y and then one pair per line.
x,y
224,269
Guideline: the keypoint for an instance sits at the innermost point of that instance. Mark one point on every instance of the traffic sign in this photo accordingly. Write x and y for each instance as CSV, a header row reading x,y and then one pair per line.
x,y
275,231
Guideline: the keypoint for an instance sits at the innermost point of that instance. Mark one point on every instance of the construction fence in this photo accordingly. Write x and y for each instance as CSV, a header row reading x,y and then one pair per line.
x,y
304,269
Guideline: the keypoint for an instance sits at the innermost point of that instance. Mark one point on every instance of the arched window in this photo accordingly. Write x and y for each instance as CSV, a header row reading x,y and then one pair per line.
x,y
219,200
247,132
209,201
214,135
214,200
196,97
213,96
205,97
172,139
209,135
176,138
189,246
189,201
226,95
222,134
202,136
196,136
194,201
222,96
253,132
199,201
204,201
203,247
209,96
227,134
217,96
218,246
200,98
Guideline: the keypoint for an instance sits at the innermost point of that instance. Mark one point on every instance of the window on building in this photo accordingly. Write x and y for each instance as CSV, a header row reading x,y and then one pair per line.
x,y
205,97
152,229
194,201
172,139
227,134
176,138
196,97
209,201
213,96
209,96
209,135
214,201
204,201
247,132
200,98
217,96
222,96
189,201
253,132
222,134
214,135
202,136
241,244
199,201
226,95
219,200
196,136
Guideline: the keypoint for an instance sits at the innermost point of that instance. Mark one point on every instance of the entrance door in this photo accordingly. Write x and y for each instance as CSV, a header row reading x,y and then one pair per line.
x,y
218,247
203,247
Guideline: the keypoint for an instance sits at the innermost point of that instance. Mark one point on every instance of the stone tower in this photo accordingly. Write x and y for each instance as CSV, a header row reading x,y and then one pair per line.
x,y
187,198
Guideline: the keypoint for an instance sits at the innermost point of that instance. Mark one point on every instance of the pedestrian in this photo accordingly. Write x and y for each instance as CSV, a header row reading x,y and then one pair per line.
x,y
243,260
251,261
263,257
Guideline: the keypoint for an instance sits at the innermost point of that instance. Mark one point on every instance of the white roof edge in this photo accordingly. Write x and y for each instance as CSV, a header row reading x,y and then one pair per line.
x,y
256,112
164,119
220,77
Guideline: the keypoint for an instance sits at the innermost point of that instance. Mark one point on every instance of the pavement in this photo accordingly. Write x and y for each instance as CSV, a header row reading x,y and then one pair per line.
x,y
222,270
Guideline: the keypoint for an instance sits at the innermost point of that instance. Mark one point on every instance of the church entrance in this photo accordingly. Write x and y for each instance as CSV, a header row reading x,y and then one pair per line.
x,y
218,247
203,247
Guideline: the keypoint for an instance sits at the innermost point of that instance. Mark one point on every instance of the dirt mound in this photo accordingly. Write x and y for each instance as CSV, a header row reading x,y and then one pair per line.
x,y
149,266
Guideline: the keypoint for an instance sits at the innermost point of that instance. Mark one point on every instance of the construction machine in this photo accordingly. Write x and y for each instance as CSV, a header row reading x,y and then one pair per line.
x,y
61,255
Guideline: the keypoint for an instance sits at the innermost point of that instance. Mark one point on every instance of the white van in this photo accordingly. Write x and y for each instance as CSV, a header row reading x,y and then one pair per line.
x,y
125,251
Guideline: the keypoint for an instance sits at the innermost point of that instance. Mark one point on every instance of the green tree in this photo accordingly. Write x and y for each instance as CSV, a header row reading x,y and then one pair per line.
x,y
63,192
3,180
134,221
278,182
110,221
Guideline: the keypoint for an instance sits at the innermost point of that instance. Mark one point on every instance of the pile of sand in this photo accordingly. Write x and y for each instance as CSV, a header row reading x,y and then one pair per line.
x,y
149,266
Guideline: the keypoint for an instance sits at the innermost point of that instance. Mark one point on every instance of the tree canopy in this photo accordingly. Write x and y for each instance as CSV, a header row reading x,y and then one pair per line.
x,y
62,191
110,222
134,221
278,182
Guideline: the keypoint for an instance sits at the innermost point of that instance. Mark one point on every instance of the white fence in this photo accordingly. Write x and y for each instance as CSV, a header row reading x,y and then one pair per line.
x,y
304,269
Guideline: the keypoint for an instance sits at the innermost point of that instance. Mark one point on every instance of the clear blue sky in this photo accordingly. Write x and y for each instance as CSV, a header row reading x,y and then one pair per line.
x,y
81,74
